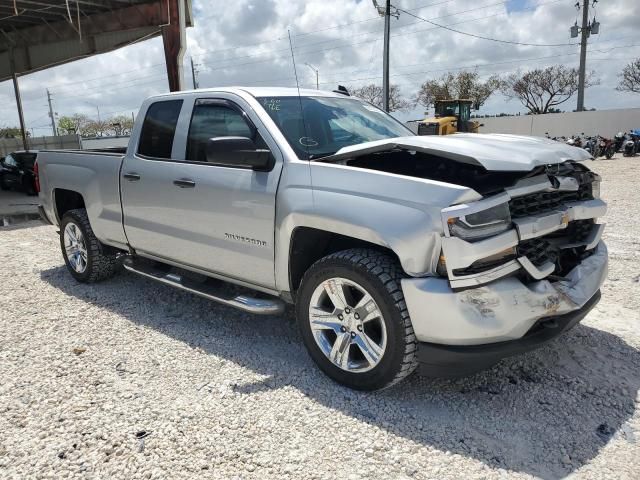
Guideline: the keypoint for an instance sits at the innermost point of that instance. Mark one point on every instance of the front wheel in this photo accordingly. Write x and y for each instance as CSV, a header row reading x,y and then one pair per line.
x,y
609,153
86,258
354,320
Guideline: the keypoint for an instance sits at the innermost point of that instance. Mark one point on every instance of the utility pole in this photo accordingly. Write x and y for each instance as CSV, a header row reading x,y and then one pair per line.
x,y
385,65
53,119
585,30
193,75
23,130
386,12
583,53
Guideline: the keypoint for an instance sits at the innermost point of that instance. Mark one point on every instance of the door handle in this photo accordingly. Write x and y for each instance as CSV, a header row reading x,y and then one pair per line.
x,y
184,183
131,176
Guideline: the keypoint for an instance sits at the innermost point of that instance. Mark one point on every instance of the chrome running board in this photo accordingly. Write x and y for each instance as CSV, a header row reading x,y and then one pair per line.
x,y
260,306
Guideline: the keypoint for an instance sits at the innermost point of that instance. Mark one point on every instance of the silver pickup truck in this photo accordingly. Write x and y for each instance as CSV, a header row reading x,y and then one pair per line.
x,y
396,249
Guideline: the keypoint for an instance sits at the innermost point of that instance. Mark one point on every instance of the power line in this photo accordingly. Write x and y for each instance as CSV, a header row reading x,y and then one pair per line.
x,y
445,69
219,67
313,32
353,44
486,38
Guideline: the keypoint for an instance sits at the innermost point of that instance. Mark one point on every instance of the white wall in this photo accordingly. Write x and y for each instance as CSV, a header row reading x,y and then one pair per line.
x,y
8,145
603,122
104,142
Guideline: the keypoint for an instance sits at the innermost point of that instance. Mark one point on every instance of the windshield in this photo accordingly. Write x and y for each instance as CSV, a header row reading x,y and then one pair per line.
x,y
453,109
330,123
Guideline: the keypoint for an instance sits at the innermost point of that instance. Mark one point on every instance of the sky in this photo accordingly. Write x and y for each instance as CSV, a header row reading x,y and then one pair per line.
x,y
245,42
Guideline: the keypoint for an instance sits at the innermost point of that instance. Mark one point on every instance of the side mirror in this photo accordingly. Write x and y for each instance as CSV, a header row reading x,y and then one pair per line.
x,y
238,152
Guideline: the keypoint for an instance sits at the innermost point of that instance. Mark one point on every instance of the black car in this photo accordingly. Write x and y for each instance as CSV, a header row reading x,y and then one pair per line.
x,y
16,171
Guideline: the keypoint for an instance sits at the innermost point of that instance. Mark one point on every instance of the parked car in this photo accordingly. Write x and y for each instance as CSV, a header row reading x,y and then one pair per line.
x,y
455,251
16,171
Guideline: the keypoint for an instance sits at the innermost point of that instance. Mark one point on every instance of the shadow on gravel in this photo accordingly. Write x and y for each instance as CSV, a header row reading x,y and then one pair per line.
x,y
546,413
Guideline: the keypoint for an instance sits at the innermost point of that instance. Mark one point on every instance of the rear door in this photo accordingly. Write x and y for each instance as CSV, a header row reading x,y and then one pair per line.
x,y
179,207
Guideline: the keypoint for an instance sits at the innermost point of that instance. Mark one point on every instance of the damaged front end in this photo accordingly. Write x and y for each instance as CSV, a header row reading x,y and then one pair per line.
x,y
511,260
547,225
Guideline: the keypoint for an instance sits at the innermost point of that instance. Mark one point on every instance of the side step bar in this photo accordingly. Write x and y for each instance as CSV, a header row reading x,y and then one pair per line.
x,y
260,306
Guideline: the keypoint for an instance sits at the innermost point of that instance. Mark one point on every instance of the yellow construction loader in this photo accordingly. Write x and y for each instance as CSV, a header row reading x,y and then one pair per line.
x,y
451,116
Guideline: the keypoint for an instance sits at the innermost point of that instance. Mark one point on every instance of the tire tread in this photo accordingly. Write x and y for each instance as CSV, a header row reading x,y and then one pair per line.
x,y
104,263
389,272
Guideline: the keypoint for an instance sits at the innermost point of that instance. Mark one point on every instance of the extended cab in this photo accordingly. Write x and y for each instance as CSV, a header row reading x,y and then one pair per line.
x,y
453,251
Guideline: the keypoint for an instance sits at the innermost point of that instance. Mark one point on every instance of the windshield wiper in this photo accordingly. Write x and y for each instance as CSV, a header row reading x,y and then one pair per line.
x,y
317,156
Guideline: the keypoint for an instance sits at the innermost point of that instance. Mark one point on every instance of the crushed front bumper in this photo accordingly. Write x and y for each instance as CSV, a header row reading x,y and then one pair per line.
x,y
501,311
453,361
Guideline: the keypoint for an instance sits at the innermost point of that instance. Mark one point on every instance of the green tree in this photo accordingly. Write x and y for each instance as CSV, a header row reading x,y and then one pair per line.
x,y
543,89
74,124
120,125
373,94
464,84
11,132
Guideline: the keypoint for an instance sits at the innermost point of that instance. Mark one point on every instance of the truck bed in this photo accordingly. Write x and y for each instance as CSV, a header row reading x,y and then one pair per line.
x,y
95,175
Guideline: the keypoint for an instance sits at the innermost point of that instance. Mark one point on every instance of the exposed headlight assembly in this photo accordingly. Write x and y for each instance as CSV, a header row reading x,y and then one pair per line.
x,y
478,224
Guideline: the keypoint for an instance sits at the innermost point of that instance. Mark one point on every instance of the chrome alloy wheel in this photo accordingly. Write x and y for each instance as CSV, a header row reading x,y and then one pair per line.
x,y
347,325
75,247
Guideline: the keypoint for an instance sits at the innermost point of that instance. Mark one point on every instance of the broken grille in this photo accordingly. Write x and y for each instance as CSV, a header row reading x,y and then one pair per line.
x,y
544,249
545,202
538,251
548,248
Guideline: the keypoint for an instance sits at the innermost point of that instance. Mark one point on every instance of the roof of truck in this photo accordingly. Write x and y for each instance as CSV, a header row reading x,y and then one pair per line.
x,y
261,92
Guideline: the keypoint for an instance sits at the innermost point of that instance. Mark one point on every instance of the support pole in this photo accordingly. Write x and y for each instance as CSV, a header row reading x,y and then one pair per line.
x,y
385,66
583,54
174,40
16,89
53,119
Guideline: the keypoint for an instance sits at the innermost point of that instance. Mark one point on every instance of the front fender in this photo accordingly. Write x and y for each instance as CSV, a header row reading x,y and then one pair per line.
x,y
393,211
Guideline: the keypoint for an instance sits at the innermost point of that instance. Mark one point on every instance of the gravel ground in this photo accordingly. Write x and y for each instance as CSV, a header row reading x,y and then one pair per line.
x,y
132,379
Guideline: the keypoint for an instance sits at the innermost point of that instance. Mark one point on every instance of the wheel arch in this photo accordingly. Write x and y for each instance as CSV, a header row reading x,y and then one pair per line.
x,y
65,200
309,244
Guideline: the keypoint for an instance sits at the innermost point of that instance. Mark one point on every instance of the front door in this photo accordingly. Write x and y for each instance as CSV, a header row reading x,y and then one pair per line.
x,y
180,207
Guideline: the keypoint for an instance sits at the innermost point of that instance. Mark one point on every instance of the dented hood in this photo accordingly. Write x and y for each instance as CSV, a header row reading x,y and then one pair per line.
x,y
492,151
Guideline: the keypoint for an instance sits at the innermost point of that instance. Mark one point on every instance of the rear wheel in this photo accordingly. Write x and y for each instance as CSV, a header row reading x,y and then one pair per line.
x,y
354,321
86,258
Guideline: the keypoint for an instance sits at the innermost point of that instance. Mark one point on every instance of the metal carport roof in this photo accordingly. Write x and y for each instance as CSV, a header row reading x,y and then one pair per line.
x,y
37,34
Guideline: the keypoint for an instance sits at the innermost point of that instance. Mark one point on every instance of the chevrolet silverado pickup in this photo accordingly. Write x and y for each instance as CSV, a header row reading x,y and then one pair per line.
x,y
396,250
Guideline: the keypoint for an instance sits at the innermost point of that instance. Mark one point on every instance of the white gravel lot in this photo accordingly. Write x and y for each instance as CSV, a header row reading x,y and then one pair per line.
x,y
132,379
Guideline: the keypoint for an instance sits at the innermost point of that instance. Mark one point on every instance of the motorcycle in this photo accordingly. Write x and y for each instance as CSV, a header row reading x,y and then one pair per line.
x,y
575,141
607,147
619,140
629,147
591,146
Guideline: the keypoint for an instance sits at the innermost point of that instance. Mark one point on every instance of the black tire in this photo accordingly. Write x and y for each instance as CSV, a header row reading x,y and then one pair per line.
x,y
101,259
3,184
380,275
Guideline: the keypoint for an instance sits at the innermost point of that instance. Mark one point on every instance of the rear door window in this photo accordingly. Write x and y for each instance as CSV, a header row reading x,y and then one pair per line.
x,y
211,119
159,128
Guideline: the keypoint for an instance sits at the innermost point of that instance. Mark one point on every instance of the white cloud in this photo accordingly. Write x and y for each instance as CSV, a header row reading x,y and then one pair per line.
x,y
245,42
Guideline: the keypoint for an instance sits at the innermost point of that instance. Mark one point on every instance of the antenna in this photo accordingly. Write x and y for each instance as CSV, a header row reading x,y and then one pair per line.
x,y
305,144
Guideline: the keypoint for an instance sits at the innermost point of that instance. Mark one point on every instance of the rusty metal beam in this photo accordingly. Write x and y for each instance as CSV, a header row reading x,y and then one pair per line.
x,y
173,39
